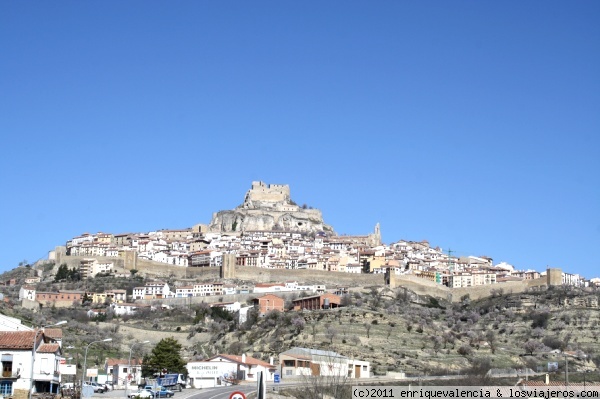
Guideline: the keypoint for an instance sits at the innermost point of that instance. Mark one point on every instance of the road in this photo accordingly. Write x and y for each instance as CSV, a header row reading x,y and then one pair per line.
x,y
190,393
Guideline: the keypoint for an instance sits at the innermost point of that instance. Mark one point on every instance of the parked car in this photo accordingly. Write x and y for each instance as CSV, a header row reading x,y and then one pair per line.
x,y
141,393
97,387
159,392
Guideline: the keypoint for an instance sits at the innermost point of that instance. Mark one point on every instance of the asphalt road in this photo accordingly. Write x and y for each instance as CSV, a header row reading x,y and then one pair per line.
x,y
190,393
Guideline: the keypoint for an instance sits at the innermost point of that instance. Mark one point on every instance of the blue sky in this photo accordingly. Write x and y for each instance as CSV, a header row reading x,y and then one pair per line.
x,y
472,124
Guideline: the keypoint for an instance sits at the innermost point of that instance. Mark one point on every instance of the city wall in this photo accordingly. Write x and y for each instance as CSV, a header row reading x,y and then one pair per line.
x,y
304,276
146,268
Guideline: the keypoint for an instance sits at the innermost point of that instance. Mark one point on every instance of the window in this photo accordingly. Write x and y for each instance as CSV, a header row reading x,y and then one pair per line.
x,y
6,388
7,361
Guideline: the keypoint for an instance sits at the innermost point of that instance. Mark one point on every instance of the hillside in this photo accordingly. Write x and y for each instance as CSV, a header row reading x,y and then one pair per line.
x,y
395,333
396,330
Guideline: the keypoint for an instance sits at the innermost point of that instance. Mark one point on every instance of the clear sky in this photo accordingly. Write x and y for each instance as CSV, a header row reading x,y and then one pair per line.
x,y
472,124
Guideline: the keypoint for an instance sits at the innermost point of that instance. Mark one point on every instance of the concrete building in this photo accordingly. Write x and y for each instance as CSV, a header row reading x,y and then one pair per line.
x,y
325,301
298,362
223,369
269,302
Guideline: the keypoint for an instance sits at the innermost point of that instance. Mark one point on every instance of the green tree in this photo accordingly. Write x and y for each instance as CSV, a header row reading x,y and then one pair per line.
x,y
62,273
165,355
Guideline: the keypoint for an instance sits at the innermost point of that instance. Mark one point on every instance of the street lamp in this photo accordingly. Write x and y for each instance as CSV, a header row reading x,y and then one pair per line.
x,y
85,358
33,351
129,365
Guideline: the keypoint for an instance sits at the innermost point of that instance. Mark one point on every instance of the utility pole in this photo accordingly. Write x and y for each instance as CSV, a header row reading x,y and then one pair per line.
x,y
566,371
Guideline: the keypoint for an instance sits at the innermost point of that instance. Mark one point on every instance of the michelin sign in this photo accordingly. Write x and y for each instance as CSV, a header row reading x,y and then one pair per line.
x,y
210,374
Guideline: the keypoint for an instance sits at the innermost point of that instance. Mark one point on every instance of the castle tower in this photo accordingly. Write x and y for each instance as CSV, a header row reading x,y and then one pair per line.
x,y
228,268
554,277
129,259
390,278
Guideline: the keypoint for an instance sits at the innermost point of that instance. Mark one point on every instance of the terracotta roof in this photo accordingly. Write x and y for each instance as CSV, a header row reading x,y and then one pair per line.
x,y
54,333
17,339
114,362
268,296
48,348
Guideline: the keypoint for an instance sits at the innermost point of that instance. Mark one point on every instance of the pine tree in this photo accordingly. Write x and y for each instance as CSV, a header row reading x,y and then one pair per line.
x,y
166,355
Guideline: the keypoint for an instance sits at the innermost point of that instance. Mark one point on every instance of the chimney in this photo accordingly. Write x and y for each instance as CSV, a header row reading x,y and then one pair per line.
x,y
243,358
271,360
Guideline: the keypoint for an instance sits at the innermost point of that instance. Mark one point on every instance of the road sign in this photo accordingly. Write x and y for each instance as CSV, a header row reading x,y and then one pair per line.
x,y
87,391
276,378
237,395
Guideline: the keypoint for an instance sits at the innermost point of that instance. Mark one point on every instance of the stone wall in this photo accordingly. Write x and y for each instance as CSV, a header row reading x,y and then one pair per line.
x,y
147,268
269,192
306,276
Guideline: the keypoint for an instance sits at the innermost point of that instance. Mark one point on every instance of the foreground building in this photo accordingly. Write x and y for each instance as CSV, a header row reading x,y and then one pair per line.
x,y
298,362
224,369
19,374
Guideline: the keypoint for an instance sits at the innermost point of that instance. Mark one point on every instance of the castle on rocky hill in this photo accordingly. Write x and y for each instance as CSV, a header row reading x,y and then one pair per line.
x,y
269,207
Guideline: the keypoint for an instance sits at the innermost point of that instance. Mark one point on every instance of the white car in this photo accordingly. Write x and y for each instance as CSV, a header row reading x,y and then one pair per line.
x,y
140,393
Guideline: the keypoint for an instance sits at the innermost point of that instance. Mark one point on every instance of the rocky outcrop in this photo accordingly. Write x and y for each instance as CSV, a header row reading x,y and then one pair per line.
x,y
268,207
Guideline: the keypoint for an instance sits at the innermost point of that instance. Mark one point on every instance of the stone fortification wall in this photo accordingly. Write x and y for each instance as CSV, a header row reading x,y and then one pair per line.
x,y
268,192
148,268
426,287
305,276
421,286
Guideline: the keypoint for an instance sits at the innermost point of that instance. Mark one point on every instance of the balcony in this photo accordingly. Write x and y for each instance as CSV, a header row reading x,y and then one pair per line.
x,y
50,376
11,374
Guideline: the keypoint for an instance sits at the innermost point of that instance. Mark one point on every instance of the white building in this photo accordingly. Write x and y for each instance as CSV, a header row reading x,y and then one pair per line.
x,y
27,292
8,323
313,362
121,309
217,371
17,348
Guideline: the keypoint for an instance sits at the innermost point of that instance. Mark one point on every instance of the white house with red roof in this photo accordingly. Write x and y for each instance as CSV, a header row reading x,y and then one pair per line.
x,y
16,348
27,292
222,369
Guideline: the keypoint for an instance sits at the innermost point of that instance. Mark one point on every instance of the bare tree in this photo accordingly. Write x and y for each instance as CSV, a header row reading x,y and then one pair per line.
x,y
331,332
368,328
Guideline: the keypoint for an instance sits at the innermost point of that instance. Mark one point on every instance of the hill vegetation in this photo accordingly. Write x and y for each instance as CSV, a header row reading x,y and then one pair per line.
x,y
396,330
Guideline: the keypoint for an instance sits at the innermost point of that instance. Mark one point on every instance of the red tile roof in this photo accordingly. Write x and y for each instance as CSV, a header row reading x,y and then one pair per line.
x,y
48,348
17,339
54,333
114,362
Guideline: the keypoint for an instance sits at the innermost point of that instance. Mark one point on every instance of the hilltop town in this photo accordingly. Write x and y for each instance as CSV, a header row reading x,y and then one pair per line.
x,y
268,230
270,280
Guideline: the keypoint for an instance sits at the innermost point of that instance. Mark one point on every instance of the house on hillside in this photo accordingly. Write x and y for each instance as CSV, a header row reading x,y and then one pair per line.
x,y
27,292
63,299
269,302
325,301
121,309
